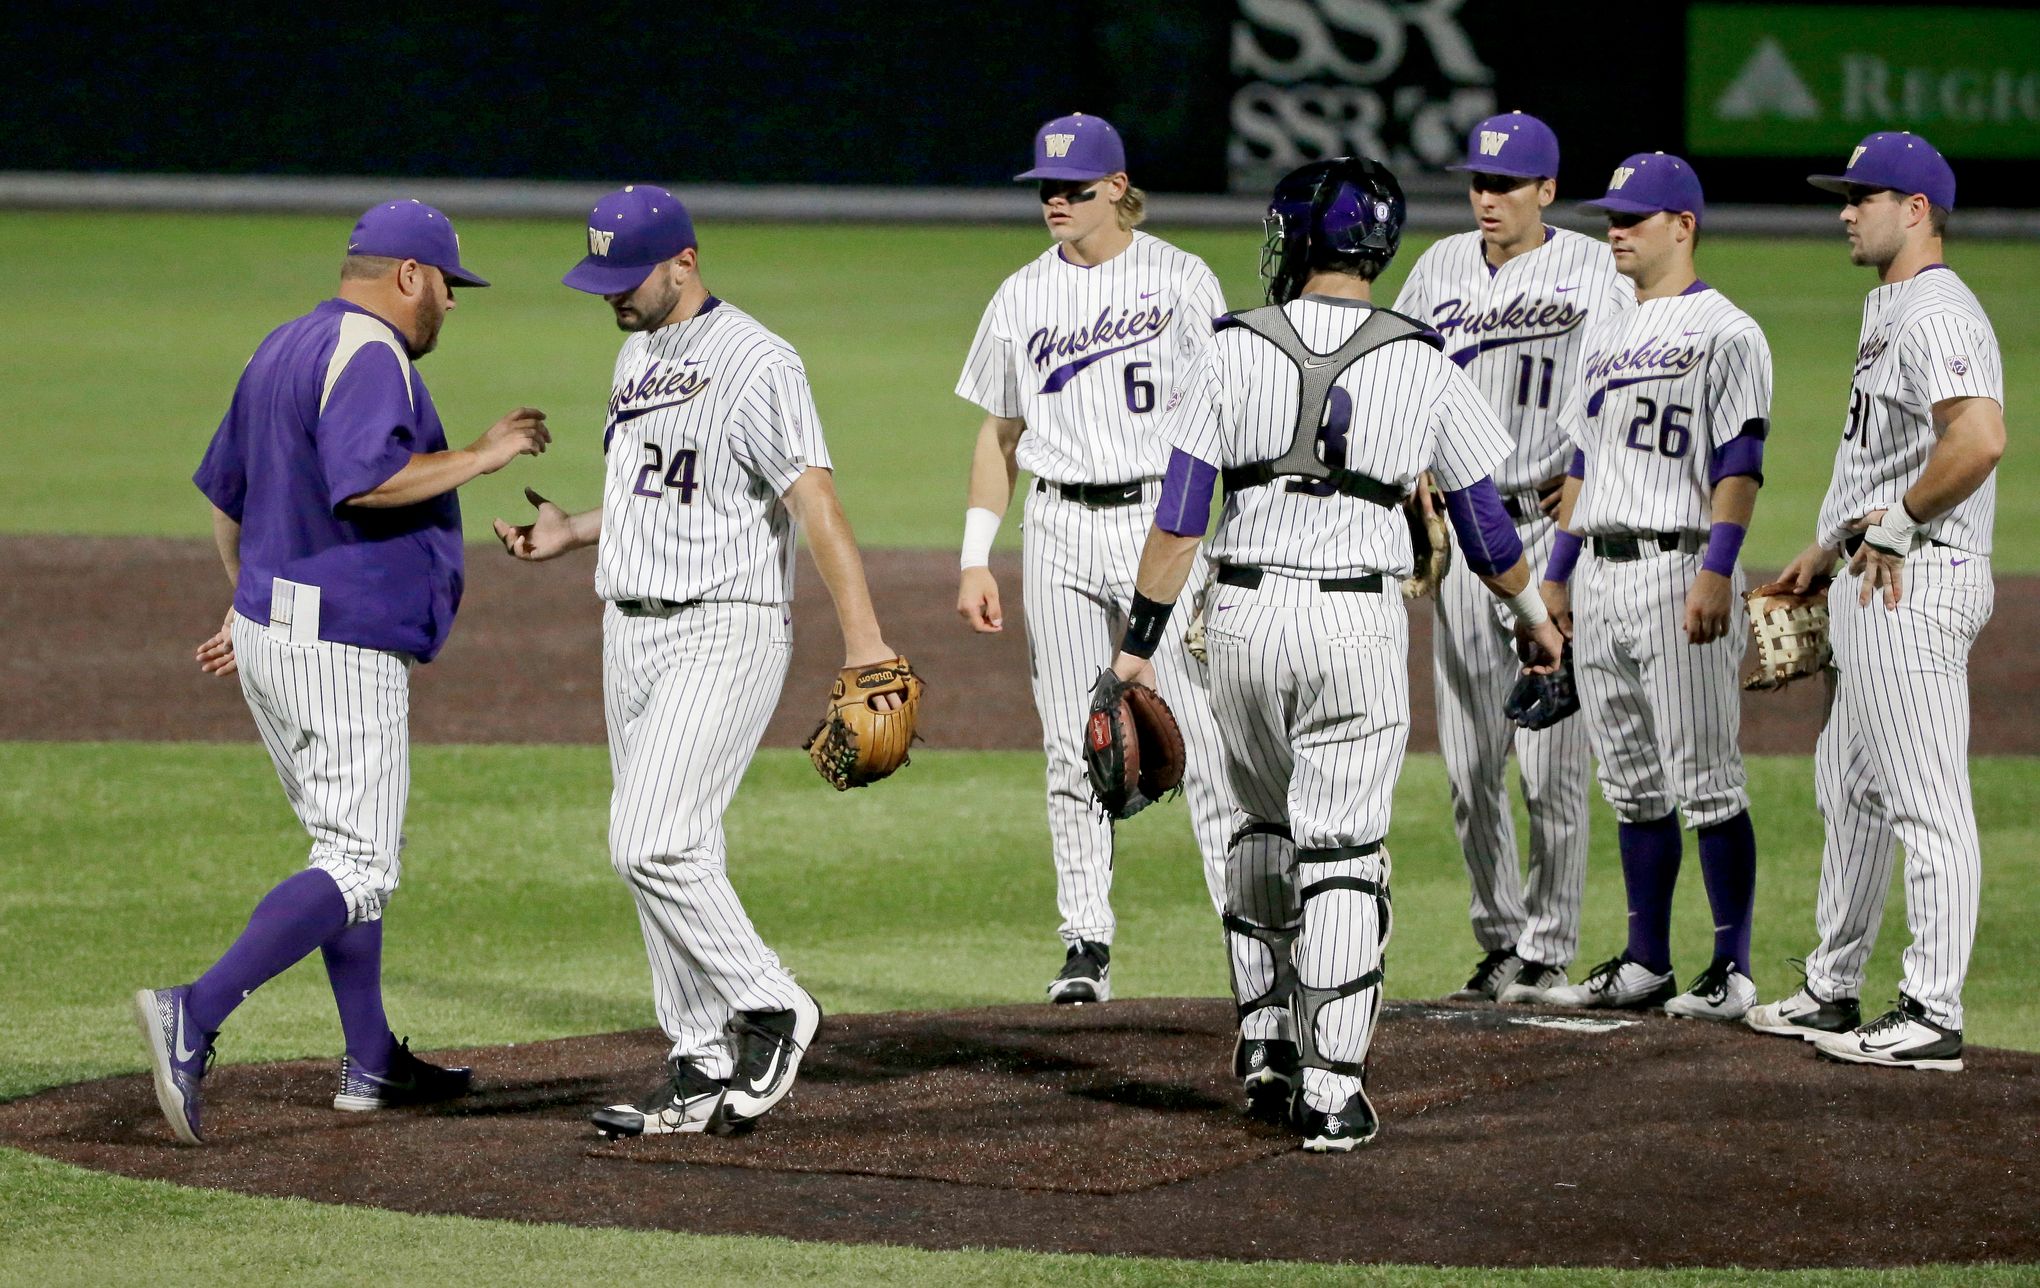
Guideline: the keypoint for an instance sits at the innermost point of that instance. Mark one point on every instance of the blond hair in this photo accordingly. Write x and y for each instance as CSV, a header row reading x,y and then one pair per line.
x,y
1131,208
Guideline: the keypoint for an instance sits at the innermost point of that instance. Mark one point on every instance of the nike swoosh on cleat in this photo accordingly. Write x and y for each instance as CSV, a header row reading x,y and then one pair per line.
x,y
764,1082
184,1053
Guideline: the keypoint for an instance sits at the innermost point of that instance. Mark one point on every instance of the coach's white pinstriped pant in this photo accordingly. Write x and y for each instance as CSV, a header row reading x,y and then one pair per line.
x,y
1079,565
1311,690
1665,715
1475,663
1891,767
687,699
336,721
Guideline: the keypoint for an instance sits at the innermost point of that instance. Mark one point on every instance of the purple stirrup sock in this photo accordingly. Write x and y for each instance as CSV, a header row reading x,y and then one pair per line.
x,y
297,916
1650,870
354,965
1728,864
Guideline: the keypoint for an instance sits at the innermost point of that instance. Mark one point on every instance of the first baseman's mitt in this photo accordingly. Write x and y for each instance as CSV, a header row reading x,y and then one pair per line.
x,y
1133,747
1791,633
856,743
1430,540
1541,701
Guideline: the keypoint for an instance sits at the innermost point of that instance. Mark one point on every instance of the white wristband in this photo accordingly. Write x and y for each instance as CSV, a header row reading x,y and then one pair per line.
x,y
1893,534
1528,606
980,529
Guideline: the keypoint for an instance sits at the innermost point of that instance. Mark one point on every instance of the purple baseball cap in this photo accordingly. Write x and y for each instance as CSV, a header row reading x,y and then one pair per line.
x,y
1649,182
630,232
1515,144
411,230
1895,159
1076,147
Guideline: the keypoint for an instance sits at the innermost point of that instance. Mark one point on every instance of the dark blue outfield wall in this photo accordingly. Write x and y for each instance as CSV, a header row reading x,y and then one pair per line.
x,y
913,92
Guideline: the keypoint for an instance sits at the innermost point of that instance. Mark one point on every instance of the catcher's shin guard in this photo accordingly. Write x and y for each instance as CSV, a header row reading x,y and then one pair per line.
x,y
1260,925
1340,937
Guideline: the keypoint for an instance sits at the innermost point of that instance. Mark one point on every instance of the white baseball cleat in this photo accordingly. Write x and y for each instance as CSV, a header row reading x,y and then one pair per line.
x,y
1900,1039
1721,993
1803,1015
1618,983
683,1103
770,1045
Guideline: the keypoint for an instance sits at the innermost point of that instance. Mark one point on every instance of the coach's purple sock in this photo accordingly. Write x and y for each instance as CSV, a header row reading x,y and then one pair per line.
x,y
1650,870
292,919
1728,864
354,965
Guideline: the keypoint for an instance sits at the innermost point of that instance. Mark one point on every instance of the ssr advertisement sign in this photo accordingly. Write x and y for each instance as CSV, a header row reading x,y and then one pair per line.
x,y
1777,80
1401,82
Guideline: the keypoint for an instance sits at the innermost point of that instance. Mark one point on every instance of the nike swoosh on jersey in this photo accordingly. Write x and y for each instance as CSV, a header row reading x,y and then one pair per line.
x,y
1067,372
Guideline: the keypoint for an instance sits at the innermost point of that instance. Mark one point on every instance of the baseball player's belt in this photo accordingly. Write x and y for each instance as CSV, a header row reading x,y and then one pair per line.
x,y
652,607
1316,373
1250,578
1627,547
1096,495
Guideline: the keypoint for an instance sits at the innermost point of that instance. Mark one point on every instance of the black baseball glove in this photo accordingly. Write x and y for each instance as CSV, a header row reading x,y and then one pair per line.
x,y
1133,748
1541,701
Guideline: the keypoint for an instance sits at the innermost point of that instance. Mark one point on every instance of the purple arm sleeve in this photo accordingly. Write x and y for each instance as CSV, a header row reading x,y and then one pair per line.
x,y
1565,552
1487,537
1578,468
1743,454
1724,543
1185,508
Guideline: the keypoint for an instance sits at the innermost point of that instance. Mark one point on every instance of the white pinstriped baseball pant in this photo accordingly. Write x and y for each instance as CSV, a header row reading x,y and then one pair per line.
x,y
687,699
1665,715
336,721
1892,767
1311,690
1079,565
1475,664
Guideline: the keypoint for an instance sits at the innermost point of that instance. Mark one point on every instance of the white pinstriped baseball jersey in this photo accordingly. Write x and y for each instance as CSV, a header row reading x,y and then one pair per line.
x,y
1088,356
1924,340
1398,411
1516,331
710,421
1659,388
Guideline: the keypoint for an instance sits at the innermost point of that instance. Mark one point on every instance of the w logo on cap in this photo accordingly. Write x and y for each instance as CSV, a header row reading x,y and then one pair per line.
x,y
599,239
1057,145
1491,142
1620,177
1857,155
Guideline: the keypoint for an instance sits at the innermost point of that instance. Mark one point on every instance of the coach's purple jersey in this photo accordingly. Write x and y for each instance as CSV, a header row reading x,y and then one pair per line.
x,y
330,407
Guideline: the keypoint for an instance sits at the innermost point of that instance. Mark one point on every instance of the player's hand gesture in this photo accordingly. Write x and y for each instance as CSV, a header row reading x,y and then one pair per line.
x,y
977,601
1880,571
216,655
1807,567
548,536
521,433
1540,647
1707,608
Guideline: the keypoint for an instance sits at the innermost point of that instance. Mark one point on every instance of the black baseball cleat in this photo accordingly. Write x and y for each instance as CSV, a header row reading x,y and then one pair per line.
x,y
408,1081
683,1103
1346,1128
1491,974
770,1045
1086,975
1267,1069
1805,1016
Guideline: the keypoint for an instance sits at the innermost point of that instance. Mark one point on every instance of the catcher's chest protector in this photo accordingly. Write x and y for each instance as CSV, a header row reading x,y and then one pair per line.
x,y
1318,373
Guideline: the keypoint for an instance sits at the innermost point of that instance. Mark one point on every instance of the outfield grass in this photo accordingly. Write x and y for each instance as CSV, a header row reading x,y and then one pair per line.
x,y
126,332
132,865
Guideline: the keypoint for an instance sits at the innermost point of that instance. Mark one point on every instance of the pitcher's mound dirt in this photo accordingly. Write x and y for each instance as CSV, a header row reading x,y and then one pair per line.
x,y
1509,1139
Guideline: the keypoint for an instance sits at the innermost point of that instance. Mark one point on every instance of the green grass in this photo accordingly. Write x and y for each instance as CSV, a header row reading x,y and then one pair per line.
x,y
125,334
131,865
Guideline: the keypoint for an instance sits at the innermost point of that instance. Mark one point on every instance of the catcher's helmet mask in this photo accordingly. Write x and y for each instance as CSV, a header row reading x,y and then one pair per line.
x,y
1345,208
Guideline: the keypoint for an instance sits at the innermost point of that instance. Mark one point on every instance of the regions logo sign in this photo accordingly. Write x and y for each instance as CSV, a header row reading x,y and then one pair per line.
x,y
1779,80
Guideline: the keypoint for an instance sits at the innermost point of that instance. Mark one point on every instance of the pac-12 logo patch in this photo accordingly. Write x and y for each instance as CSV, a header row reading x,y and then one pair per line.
x,y
1058,145
1620,177
1491,142
599,239
1959,364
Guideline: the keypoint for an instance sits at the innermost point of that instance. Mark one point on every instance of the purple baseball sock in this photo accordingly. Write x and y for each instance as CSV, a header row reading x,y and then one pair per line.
x,y
1728,864
354,965
297,916
1650,870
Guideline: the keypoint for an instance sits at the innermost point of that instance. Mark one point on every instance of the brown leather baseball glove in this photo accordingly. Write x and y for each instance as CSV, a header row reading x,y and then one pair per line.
x,y
1430,539
1133,748
1790,631
857,743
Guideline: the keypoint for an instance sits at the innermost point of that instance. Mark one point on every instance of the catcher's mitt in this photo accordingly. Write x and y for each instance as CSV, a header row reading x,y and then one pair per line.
x,y
1541,701
1430,540
1133,747
1791,633
856,743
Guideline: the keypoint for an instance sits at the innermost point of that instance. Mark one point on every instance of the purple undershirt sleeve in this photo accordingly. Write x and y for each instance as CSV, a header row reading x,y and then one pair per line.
x,y
1578,468
1185,509
1487,536
1743,454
